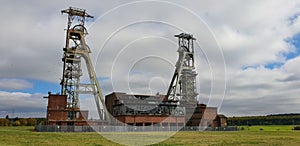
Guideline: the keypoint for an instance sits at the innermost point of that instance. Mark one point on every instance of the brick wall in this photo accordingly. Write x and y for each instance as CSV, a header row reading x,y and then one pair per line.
x,y
58,102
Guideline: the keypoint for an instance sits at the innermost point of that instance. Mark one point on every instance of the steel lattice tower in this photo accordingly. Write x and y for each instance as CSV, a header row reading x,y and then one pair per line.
x,y
183,84
76,49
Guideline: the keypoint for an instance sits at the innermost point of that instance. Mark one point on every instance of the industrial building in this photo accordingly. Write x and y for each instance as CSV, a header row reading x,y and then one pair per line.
x,y
145,110
59,114
178,108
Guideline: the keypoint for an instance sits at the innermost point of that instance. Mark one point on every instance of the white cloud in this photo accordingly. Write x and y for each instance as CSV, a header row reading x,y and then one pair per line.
x,y
292,65
250,33
14,84
88,103
21,103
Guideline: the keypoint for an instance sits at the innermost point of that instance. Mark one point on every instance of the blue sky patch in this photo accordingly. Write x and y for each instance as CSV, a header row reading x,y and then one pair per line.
x,y
103,78
293,18
250,66
274,65
42,87
294,41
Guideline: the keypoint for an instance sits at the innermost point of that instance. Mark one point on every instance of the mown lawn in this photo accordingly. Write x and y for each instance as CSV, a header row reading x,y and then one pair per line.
x,y
268,136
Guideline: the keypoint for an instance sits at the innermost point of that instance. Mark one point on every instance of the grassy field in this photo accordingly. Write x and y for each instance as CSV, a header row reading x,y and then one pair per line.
x,y
270,135
267,128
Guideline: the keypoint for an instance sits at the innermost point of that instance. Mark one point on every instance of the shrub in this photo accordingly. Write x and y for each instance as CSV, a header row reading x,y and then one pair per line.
x,y
17,123
23,122
31,122
296,128
4,122
42,123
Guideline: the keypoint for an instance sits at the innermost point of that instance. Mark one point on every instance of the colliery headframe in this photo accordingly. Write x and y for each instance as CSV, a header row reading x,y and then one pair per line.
x,y
178,108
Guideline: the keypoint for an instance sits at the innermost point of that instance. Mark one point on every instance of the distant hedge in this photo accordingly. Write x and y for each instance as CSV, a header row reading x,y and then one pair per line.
x,y
285,119
22,121
4,122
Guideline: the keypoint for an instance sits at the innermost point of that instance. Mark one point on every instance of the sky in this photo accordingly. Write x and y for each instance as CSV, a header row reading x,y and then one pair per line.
x,y
247,52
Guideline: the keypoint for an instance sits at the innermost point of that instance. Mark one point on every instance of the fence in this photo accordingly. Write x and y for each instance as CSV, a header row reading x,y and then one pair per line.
x,y
56,128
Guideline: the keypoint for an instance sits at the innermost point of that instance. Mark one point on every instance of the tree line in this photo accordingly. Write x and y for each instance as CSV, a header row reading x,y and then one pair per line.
x,y
21,121
279,119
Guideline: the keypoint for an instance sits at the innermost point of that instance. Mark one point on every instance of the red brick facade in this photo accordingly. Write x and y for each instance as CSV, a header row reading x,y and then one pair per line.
x,y
144,120
207,117
199,115
59,114
196,115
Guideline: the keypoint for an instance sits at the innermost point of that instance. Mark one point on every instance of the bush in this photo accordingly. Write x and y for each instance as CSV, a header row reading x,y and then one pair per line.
x,y
31,122
296,128
17,123
4,122
23,122
242,128
42,123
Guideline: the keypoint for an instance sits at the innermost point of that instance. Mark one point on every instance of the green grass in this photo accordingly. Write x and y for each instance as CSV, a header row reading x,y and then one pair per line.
x,y
268,128
269,136
26,136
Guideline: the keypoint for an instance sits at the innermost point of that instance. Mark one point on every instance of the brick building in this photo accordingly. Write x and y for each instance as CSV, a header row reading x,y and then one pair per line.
x,y
145,110
136,110
59,114
207,117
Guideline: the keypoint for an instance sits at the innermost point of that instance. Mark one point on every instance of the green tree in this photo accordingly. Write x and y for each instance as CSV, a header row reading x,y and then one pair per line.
x,y
31,121
4,122
23,121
